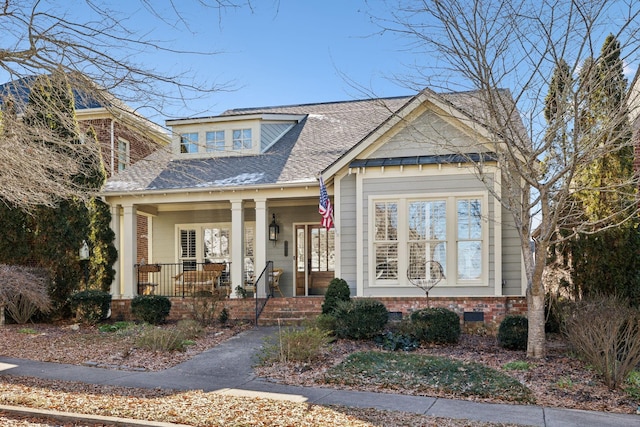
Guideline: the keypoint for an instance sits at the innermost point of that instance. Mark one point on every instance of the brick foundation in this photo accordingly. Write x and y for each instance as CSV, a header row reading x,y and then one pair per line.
x,y
493,309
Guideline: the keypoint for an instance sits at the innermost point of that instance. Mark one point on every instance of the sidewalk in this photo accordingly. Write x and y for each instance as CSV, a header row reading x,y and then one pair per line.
x,y
226,369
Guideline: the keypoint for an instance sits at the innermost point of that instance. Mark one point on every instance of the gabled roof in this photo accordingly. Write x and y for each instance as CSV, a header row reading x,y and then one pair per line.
x,y
328,133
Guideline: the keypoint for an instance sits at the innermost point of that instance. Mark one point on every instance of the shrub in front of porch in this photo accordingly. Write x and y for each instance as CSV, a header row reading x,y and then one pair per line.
x,y
152,309
90,306
338,290
360,319
436,325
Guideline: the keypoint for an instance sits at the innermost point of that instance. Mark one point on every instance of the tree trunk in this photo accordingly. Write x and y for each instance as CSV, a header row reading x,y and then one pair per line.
x,y
536,317
535,304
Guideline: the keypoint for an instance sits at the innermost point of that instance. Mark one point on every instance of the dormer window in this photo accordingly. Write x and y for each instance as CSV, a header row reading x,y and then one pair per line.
x,y
242,139
189,142
230,135
215,141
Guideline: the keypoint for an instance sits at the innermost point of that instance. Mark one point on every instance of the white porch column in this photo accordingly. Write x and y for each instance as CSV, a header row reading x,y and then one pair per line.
x,y
129,250
116,285
237,248
260,240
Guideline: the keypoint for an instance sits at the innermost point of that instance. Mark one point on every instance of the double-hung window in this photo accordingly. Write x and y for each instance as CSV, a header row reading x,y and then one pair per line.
x,y
189,143
386,239
123,154
427,238
469,221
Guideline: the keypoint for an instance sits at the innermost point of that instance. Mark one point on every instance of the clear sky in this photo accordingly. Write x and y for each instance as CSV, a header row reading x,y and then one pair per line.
x,y
285,52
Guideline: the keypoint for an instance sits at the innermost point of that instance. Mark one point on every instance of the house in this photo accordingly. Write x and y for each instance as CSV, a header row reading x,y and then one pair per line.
x,y
242,188
124,136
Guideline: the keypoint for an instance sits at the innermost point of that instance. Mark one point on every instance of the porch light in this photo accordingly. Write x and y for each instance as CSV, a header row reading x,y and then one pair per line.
x,y
273,229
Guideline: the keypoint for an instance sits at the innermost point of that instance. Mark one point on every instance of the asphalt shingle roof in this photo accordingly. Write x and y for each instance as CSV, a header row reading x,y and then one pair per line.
x,y
327,132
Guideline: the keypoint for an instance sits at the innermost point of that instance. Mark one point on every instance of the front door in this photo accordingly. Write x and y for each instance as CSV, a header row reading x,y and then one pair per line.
x,y
315,259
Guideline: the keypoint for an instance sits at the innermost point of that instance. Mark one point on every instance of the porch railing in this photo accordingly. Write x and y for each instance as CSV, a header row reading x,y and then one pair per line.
x,y
263,288
182,280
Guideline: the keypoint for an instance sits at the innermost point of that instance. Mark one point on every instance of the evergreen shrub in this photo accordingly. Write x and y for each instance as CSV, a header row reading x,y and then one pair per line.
x,y
90,306
152,309
513,333
338,290
436,325
360,319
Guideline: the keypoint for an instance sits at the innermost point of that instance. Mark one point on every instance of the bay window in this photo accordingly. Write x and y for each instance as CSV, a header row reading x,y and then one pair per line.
x,y
408,232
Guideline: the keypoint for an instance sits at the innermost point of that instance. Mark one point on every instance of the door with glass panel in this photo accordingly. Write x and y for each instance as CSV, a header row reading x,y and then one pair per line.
x,y
315,259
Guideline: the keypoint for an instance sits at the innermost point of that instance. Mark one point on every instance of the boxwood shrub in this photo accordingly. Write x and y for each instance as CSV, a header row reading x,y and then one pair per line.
x,y
513,333
338,290
360,319
90,306
436,325
152,309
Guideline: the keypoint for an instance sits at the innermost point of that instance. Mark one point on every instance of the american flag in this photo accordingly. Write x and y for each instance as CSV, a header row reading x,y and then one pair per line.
x,y
325,208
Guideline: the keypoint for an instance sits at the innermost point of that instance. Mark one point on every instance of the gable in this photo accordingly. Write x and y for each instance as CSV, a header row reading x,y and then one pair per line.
x,y
428,134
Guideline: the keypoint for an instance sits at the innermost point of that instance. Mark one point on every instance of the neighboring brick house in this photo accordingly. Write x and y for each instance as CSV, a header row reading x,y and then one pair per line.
x,y
124,136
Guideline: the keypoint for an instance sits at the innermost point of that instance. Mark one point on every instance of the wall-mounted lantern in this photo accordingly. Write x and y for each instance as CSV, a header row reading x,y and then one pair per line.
x,y
274,230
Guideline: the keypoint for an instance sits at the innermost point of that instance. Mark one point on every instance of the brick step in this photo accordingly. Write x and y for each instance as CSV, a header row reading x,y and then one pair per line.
x,y
290,311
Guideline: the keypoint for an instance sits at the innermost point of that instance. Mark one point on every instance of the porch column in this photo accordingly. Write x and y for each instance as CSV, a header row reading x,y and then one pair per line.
x,y
260,240
116,288
129,250
237,248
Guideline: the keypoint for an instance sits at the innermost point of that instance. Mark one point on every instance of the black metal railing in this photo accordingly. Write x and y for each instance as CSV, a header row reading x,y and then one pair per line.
x,y
183,279
263,290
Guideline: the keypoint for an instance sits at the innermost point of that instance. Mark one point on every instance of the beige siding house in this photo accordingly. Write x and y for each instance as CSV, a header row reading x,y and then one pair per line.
x,y
402,198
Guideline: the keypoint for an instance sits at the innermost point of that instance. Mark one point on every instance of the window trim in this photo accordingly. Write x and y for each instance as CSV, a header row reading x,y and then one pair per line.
x,y
451,199
189,144
215,148
242,139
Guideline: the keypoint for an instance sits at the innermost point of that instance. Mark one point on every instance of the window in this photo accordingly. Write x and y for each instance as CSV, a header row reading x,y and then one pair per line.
x,y
123,154
188,249
242,139
211,243
427,233
408,232
215,141
386,240
469,239
322,251
189,143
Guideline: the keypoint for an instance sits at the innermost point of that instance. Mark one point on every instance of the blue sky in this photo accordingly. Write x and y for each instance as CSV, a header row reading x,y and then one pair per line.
x,y
285,52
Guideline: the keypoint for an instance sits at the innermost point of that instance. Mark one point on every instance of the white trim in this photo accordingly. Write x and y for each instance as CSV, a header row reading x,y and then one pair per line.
x,y
497,234
359,237
450,198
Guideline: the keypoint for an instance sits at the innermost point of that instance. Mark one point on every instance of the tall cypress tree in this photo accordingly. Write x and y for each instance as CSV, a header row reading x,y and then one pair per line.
x,y
607,262
101,237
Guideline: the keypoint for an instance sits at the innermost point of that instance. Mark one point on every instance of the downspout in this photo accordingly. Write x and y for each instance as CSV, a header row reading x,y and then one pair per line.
x,y
113,147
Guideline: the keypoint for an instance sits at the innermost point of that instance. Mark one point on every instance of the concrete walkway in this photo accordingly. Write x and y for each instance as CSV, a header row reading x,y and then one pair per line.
x,y
226,369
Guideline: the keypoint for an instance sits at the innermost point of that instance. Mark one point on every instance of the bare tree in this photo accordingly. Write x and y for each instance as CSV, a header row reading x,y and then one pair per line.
x,y
506,53
99,49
